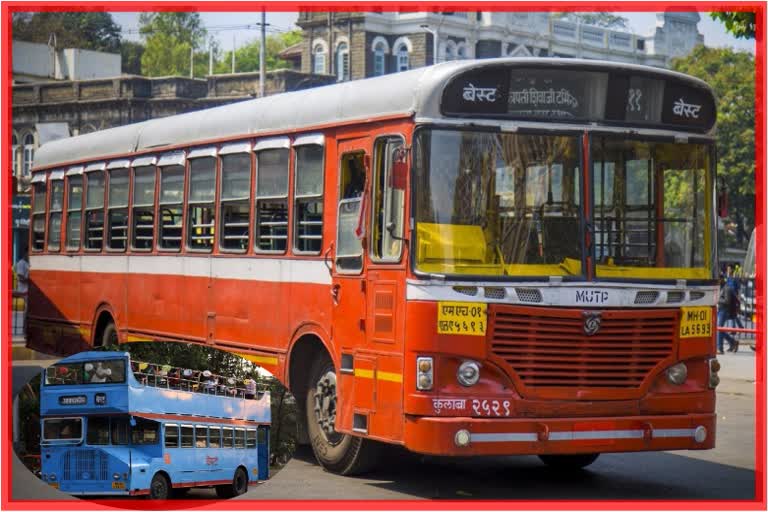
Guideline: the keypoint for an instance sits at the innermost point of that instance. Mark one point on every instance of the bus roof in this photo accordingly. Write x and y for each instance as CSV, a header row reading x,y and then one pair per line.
x,y
416,92
93,354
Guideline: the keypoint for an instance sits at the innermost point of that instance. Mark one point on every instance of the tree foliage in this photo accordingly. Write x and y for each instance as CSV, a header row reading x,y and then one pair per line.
x,y
247,56
169,38
741,24
598,19
732,75
86,30
131,53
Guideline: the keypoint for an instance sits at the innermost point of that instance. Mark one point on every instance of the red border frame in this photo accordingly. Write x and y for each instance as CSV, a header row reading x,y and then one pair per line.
x,y
760,222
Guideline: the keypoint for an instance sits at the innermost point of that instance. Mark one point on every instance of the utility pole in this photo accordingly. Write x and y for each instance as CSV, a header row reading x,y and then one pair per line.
x,y
263,53
233,53
210,56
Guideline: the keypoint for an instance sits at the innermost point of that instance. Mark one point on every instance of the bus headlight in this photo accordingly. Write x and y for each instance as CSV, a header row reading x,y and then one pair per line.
x,y
51,477
468,373
714,378
424,373
677,374
116,476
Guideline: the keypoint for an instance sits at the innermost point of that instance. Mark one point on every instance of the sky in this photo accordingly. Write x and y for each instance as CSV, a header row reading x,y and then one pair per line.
x,y
219,25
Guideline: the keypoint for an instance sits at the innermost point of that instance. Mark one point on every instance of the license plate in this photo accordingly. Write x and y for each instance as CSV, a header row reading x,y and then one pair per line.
x,y
55,485
469,318
118,485
695,322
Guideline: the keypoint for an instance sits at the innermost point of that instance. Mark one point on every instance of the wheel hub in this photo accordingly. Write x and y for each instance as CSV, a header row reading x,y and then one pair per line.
x,y
325,406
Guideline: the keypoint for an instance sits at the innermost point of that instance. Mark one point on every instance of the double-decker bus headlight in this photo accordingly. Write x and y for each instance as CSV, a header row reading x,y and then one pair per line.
x,y
116,476
424,373
677,374
51,477
468,373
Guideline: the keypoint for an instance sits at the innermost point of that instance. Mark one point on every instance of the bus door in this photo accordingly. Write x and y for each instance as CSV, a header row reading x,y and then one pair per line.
x,y
348,287
263,452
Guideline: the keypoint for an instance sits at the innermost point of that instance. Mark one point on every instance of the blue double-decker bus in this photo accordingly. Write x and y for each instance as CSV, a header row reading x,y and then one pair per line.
x,y
113,427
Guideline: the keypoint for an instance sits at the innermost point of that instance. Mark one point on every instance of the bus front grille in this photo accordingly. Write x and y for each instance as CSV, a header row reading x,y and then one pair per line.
x,y
85,464
548,348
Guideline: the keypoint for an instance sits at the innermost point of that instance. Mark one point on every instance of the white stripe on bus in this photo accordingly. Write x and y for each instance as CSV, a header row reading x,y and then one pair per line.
x,y
580,436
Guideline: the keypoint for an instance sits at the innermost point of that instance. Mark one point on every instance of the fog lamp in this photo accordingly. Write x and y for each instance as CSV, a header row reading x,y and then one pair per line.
x,y
700,434
468,373
461,438
677,374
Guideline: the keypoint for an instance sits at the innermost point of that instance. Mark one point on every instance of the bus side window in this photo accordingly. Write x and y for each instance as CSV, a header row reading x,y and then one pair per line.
x,y
187,436
235,201
388,202
239,438
171,436
227,437
94,210
250,438
38,215
201,436
308,205
117,210
74,212
214,437
143,203
54,217
271,201
349,248
202,187
171,207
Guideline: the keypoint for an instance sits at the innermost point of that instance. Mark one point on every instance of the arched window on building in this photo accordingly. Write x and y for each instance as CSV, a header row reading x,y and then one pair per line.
x,y
14,149
318,53
450,53
379,59
28,154
401,53
342,62
461,52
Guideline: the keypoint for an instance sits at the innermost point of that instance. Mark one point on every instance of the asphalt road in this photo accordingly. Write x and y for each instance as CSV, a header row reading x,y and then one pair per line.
x,y
727,472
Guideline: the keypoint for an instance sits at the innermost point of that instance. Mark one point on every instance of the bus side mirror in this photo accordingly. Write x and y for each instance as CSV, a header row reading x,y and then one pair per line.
x,y
722,199
399,168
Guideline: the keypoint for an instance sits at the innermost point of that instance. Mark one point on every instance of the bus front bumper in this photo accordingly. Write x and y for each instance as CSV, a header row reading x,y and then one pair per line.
x,y
460,436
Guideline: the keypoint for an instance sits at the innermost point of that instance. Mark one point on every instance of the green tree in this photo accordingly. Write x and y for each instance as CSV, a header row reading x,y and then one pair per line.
x,y
86,30
131,53
169,37
247,56
732,76
741,24
599,19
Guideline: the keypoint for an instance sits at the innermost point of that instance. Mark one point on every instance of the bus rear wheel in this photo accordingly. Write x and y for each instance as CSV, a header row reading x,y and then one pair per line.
x,y
569,462
238,486
338,453
160,488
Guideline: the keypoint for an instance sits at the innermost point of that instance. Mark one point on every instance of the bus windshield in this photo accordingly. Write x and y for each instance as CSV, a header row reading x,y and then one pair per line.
x,y
88,372
490,203
62,429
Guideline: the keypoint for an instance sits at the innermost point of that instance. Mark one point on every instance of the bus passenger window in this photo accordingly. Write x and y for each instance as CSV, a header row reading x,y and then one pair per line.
x,y
388,201
227,437
349,248
97,431
38,216
308,204
143,208
201,437
214,437
250,438
187,436
74,212
235,201
272,201
144,432
117,210
54,217
202,186
94,210
171,204
120,431
239,438
171,436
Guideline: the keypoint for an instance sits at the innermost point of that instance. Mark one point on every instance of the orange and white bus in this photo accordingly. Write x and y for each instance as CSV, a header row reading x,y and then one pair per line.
x,y
508,256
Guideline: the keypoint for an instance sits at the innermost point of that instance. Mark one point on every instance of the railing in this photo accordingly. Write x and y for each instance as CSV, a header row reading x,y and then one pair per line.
x,y
196,381
19,312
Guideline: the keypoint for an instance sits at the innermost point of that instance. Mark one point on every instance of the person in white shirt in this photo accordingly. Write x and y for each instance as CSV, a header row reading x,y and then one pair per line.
x,y
22,273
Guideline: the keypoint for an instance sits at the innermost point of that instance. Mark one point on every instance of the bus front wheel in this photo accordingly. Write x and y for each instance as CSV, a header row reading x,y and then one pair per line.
x,y
338,453
160,488
569,462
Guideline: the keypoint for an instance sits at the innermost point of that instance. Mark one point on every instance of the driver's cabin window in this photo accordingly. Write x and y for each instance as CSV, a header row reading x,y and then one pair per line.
x,y
349,247
388,198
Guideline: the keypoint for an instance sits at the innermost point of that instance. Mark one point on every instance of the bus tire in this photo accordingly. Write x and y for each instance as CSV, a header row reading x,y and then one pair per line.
x,y
109,336
238,486
160,488
569,462
343,454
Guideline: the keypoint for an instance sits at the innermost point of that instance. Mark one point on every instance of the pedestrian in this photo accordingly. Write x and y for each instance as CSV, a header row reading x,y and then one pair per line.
x,y
725,313
22,273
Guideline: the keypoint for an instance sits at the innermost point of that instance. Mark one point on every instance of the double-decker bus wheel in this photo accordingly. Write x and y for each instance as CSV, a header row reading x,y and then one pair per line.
x,y
160,488
339,453
569,462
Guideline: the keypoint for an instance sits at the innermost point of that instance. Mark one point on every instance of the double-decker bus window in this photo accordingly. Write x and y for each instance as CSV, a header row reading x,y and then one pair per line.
x,y
117,210
201,436
94,210
64,374
308,204
227,437
97,431
120,431
171,436
74,212
651,208
187,436
497,203
214,437
171,207
250,438
62,428
271,201
388,201
144,432
239,438
235,201
349,247
39,190
55,209
143,207
200,221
